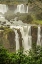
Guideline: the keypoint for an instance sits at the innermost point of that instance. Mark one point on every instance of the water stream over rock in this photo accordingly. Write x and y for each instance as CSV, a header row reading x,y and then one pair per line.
x,y
21,9
39,36
15,9
3,8
23,28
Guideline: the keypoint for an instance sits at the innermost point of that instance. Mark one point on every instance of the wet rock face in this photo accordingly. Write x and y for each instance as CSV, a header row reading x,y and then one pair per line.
x,y
7,38
41,36
34,36
41,30
11,39
1,38
34,33
1,34
20,38
12,7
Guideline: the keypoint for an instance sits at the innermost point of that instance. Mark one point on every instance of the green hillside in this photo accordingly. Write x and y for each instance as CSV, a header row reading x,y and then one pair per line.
x,y
35,10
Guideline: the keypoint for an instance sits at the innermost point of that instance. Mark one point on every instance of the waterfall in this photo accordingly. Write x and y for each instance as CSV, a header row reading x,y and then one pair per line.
x,y
16,39
29,37
26,37
21,9
39,36
3,8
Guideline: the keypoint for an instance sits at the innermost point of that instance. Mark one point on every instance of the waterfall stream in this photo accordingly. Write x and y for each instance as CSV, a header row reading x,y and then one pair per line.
x,y
39,36
21,9
26,36
16,39
25,29
3,8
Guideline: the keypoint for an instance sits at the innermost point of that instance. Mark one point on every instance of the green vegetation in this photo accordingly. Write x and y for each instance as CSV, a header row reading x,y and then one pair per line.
x,y
35,11
37,19
26,18
30,18
20,58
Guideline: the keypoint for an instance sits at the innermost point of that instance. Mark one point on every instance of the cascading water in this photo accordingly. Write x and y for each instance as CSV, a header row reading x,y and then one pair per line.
x,y
27,10
3,8
21,9
16,39
29,37
26,37
24,28
39,36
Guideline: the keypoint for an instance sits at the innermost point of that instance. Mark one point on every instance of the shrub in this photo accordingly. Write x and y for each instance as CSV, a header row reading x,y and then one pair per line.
x,y
20,58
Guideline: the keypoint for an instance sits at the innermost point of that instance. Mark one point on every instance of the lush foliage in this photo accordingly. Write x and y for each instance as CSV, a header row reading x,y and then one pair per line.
x,y
20,58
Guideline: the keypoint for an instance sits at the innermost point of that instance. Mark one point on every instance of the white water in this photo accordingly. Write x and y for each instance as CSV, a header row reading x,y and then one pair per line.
x,y
16,39
21,9
26,37
27,10
39,36
3,8
24,29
